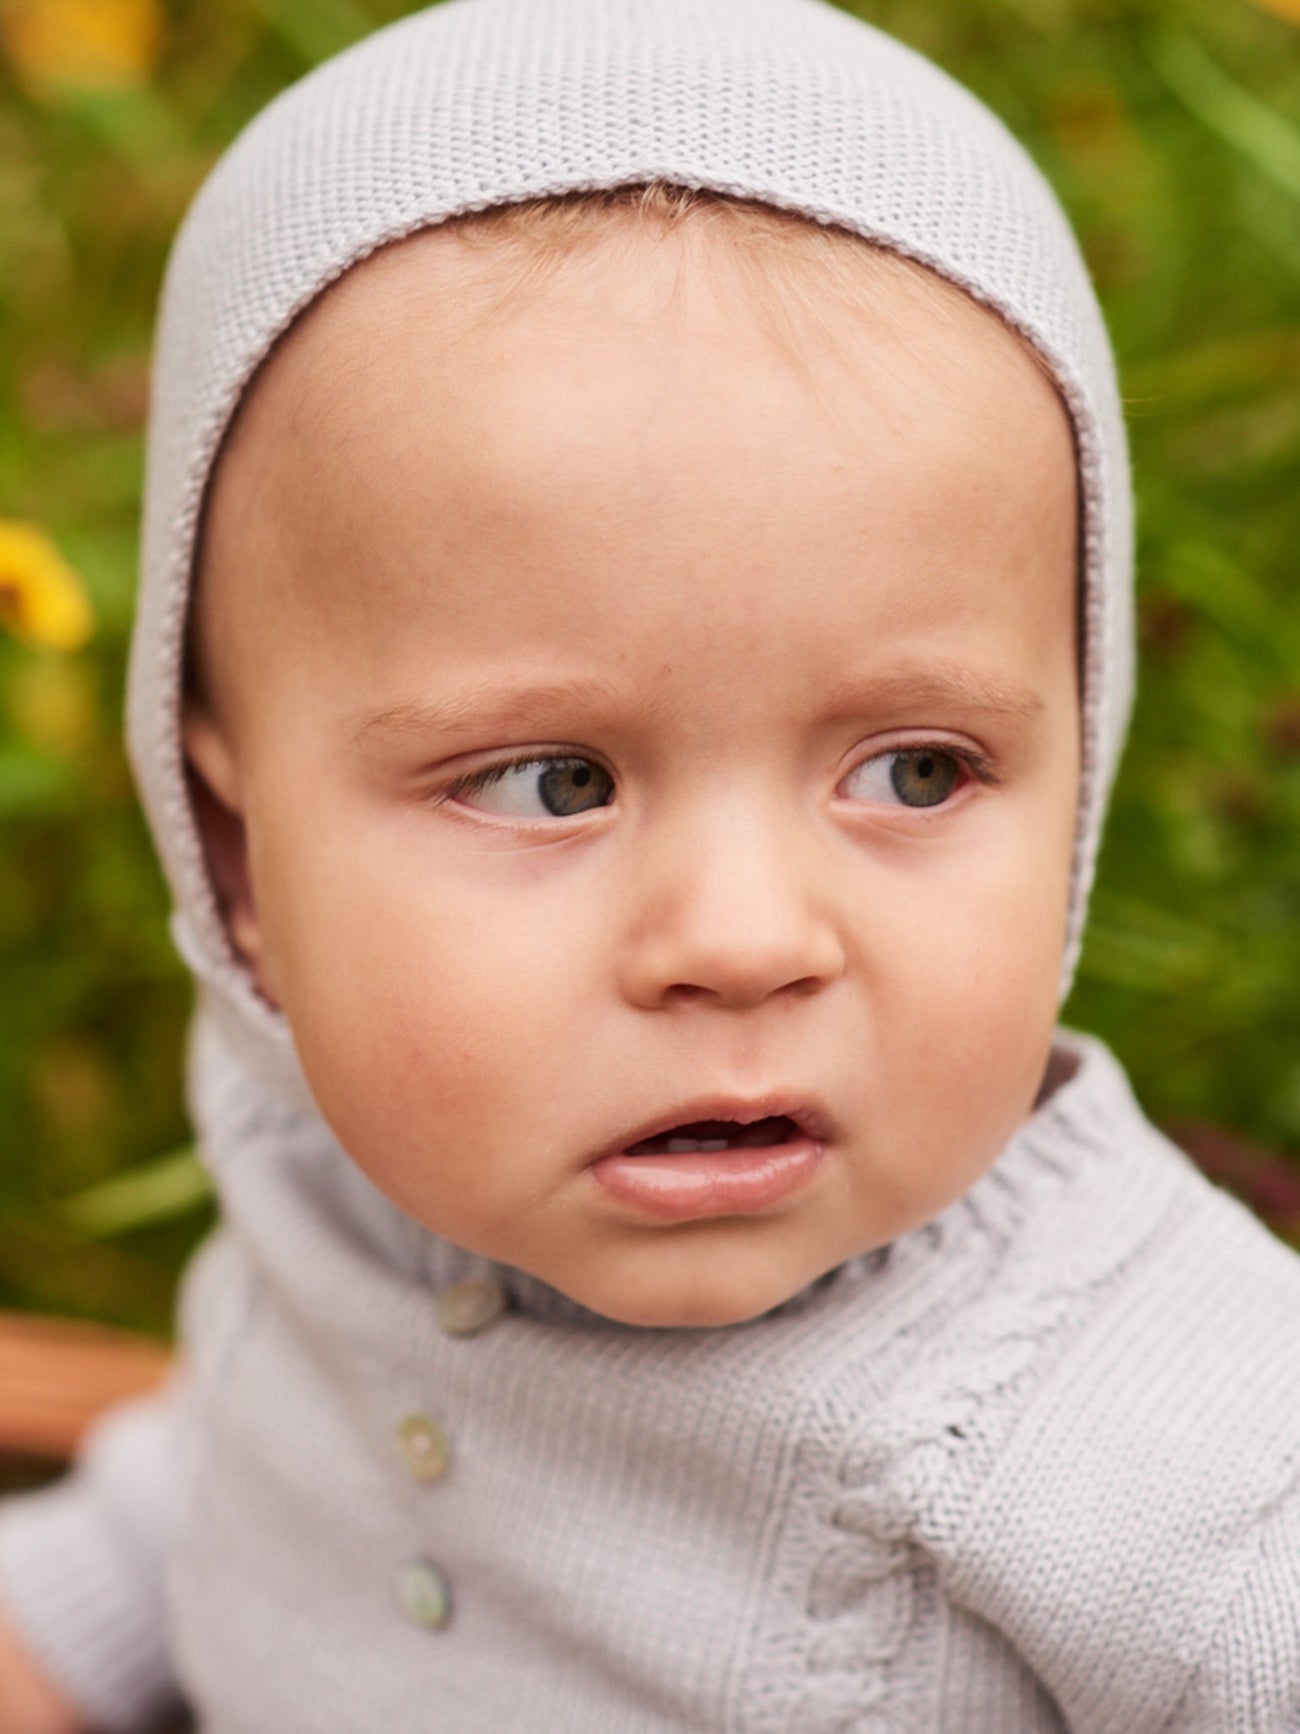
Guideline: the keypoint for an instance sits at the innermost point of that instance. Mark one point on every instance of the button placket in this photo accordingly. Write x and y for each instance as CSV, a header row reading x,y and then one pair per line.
x,y
423,1588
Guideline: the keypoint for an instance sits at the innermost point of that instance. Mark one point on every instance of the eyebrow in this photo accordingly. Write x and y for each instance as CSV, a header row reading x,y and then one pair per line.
x,y
484,705
939,685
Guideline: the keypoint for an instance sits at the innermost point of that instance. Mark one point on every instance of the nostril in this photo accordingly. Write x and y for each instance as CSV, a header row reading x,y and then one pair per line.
x,y
730,959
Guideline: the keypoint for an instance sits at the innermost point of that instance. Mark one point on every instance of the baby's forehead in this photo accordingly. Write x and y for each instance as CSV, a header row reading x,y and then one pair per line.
x,y
463,363
482,318
804,286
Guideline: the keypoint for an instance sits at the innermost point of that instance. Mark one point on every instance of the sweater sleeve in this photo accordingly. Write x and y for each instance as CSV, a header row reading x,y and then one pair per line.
x,y
1249,1679
83,1566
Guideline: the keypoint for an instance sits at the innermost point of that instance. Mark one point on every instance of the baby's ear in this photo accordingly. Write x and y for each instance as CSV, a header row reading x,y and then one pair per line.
x,y
217,799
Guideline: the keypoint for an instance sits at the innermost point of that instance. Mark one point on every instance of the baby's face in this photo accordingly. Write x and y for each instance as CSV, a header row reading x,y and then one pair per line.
x,y
655,749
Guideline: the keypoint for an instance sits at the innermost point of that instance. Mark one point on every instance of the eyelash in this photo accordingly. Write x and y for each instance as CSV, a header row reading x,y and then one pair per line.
x,y
977,765
474,782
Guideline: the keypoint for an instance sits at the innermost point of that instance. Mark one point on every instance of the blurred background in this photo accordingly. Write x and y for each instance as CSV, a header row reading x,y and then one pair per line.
x,y
1171,129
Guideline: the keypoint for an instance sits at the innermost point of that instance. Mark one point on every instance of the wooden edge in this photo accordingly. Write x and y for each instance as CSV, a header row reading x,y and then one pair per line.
x,y
57,1377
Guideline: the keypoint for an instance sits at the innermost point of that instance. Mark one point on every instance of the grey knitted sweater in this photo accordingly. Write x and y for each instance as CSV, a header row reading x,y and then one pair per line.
x,y
1032,1467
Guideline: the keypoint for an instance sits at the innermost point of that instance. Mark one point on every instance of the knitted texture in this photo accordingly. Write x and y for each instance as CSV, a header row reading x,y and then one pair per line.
x,y
483,102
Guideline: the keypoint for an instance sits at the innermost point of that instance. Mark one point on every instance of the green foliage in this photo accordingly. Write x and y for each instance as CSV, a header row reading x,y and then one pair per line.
x,y
1171,128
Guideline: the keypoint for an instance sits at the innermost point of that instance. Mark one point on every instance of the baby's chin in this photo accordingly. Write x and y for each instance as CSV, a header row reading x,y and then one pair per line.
x,y
721,1291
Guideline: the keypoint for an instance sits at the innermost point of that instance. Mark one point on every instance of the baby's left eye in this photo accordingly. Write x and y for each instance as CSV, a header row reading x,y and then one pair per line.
x,y
910,777
540,788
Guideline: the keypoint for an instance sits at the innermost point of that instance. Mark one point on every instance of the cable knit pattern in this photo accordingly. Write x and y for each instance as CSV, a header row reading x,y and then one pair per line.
x,y
868,1585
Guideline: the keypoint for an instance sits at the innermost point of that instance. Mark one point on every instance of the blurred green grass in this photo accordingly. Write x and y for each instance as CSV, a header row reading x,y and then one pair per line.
x,y
1172,132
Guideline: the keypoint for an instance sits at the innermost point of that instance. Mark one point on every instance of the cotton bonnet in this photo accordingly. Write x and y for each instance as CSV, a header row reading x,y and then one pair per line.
x,y
475,103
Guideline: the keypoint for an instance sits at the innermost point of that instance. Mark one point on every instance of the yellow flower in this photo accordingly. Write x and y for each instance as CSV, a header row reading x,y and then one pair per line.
x,y
41,598
81,44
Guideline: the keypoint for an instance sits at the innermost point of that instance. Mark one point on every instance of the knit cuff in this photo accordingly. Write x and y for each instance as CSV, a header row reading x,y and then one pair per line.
x,y
82,1571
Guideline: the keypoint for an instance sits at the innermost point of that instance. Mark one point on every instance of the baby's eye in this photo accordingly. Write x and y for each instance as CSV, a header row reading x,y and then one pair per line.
x,y
538,788
912,776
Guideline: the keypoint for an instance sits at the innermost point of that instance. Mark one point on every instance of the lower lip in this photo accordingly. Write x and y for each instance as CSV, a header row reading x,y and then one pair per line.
x,y
725,1183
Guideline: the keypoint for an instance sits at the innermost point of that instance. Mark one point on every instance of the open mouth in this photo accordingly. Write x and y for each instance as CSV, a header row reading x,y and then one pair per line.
x,y
710,1137
723,1164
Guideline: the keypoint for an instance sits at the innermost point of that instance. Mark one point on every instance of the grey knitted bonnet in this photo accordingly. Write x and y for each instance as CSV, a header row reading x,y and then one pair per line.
x,y
476,103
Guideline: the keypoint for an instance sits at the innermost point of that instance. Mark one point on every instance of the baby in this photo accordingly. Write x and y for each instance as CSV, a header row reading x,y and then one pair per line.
x,y
633,647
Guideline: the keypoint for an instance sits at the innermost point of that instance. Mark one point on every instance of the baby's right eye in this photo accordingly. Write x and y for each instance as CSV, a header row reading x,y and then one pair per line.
x,y
536,788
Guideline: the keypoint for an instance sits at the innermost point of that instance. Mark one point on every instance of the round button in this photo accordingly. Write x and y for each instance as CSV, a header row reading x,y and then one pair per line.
x,y
468,1306
424,1593
425,1448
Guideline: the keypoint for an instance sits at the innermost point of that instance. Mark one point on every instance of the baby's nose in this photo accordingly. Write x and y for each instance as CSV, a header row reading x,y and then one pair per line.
x,y
732,914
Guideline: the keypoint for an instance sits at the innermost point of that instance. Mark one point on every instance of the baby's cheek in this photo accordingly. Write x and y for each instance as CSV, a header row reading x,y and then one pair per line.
x,y
975,1014
418,1029
404,1021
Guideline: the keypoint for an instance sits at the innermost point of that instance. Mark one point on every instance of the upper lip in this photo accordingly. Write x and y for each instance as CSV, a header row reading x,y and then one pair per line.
x,y
808,1115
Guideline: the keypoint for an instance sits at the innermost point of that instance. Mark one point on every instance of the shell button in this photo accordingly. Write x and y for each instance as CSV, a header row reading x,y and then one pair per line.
x,y
467,1307
424,1593
424,1446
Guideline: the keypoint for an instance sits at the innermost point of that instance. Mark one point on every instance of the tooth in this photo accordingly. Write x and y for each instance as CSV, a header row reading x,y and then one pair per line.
x,y
681,1146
